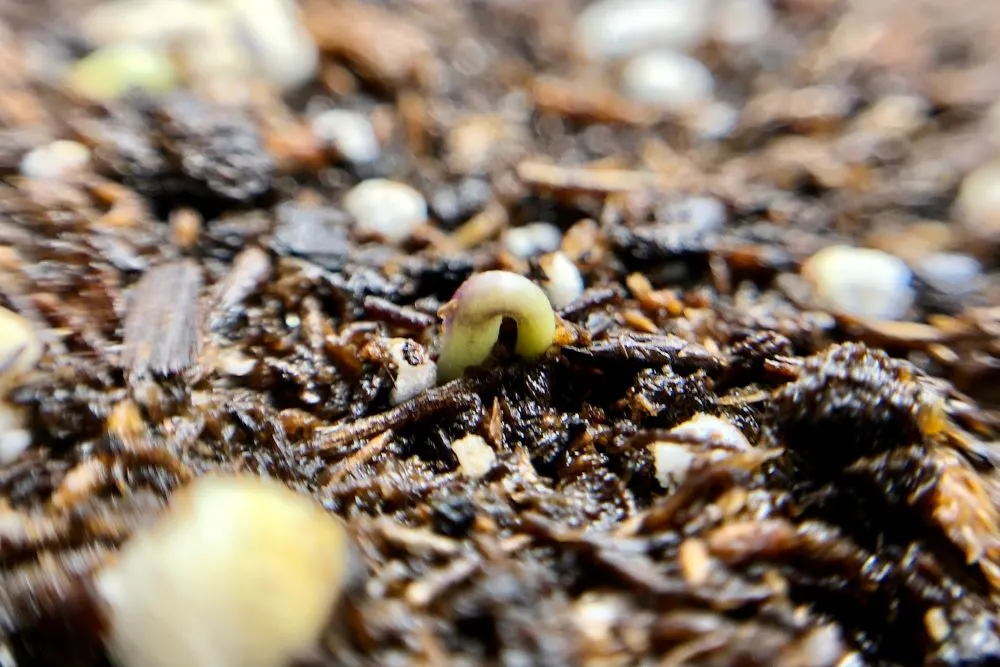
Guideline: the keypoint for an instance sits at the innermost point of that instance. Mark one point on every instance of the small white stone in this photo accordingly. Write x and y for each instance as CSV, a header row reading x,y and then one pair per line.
x,y
475,457
55,161
741,21
860,282
710,430
706,214
896,115
595,616
13,443
825,646
415,371
532,239
20,349
7,658
14,437
611,29
671,462
703,435
389,209
235,363
279,43
667,79
563,283
349,133
950,272
978,201
713,121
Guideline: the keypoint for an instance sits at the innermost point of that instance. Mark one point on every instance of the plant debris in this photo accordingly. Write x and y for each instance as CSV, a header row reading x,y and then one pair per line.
x,y
162,327
715,463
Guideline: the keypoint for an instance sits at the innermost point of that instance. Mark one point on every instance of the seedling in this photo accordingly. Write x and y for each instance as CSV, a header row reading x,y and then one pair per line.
x,y
472,319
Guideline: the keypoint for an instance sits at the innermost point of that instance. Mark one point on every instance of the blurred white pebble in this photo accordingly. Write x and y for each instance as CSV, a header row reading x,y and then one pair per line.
x,y
611,29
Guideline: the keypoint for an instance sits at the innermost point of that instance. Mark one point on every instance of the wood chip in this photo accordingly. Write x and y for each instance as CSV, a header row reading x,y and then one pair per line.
x,y
163,324
695,562
380,45
249,270
589,102
481,227
583,179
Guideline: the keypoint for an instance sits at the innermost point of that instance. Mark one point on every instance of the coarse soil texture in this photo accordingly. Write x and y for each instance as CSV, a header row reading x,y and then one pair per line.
x,y
721,460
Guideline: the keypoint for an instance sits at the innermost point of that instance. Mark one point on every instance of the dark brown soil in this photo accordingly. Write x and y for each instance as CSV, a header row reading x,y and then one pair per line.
x,y
207,305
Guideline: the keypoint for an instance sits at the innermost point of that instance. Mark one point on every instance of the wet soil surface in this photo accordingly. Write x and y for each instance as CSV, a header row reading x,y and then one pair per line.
x,y
208,302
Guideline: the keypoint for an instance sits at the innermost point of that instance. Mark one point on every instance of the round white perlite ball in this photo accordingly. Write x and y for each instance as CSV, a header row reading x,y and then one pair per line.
x,y
532,239
55,161
978,202
389,209
20,349
612,29
668,79
563,283
860,282
349,133
279,44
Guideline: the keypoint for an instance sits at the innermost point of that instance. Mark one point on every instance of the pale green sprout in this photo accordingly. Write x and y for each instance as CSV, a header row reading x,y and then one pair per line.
x,y
109,72
472,319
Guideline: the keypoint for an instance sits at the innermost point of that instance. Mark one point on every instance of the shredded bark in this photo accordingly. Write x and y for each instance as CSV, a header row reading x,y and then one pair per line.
x,y
163,325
